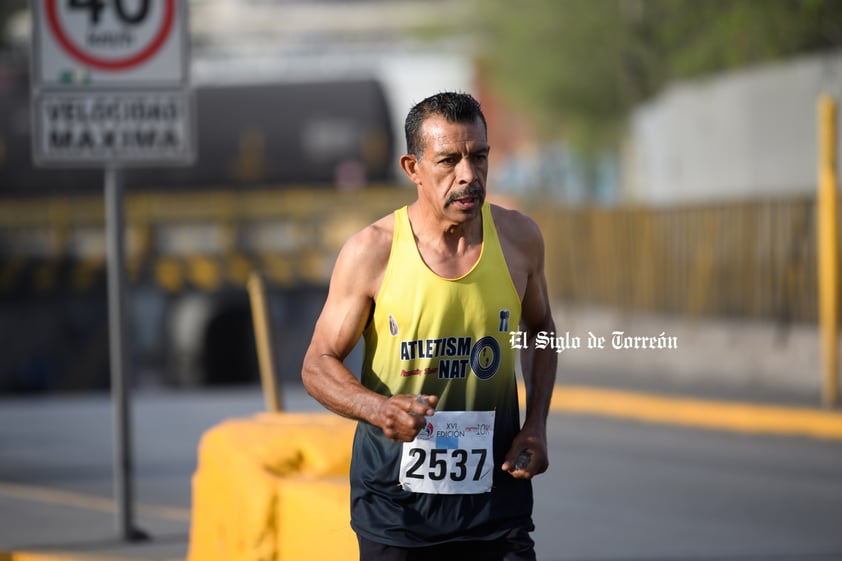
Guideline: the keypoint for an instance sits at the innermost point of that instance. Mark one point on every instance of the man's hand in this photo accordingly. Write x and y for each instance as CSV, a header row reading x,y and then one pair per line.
x,y
528,455
402,416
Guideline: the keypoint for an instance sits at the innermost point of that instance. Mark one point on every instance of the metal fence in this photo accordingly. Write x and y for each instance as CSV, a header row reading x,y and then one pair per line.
x,y
745,259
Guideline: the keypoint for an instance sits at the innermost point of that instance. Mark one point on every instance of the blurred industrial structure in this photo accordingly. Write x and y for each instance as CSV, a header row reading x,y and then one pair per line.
x,y
299,110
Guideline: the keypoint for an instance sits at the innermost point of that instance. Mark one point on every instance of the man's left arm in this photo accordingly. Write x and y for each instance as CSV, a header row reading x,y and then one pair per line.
x,y
528,456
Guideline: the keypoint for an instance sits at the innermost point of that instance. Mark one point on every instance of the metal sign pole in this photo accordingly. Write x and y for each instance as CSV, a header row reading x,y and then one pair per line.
x,y
120,365
76,76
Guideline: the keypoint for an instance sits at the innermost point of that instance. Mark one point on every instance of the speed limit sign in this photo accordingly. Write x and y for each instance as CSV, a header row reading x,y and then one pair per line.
x,y
110,88
113,42
111,83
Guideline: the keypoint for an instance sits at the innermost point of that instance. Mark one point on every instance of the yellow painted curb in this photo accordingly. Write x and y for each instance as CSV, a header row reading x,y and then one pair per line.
x,y
57,556
708,414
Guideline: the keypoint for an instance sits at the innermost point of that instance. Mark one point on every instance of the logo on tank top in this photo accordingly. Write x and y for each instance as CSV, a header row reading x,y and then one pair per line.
x,y
393,325
485,357
453,358
504,321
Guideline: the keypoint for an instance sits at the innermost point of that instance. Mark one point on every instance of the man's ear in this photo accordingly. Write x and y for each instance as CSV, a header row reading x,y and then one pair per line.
x,y
409,165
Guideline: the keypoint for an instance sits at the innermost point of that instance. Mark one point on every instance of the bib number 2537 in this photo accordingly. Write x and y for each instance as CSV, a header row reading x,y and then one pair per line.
x,y
435,465
452,455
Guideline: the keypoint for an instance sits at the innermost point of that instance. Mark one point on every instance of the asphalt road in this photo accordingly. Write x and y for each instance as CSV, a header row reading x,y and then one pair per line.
x,y
616,490
628,491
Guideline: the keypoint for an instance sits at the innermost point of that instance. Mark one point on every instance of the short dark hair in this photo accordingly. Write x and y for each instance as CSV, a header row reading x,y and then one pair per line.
x,y
456,107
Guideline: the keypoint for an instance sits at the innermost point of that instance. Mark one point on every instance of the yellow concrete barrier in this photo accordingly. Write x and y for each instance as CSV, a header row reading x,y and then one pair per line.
x,y
273,486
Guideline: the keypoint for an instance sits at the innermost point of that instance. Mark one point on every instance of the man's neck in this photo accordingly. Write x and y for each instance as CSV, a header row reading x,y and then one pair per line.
x,y
444,236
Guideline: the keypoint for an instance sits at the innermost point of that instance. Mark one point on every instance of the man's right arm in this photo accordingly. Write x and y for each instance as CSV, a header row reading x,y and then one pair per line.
x,y
356,276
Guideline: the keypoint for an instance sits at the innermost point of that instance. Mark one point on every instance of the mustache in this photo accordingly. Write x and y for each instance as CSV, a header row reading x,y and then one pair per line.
x,y
471,191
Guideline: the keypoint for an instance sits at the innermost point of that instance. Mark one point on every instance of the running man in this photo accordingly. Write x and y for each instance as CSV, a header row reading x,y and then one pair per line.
x,y
441,463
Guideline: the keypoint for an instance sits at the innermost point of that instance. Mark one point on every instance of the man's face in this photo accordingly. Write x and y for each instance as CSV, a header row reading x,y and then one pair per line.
x,y
452,169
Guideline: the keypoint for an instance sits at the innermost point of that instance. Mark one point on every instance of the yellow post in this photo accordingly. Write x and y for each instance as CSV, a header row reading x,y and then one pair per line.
x,y
828,251
263,339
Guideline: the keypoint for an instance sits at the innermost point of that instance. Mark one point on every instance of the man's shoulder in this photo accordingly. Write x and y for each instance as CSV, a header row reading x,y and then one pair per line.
x,y
515,226
370,247
377,236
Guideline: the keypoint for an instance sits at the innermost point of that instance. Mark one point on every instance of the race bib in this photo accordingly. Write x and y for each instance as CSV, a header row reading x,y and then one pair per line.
x,y
452,455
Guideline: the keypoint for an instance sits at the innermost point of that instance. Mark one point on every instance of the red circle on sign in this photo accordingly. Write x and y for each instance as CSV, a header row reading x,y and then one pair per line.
x,y
116,64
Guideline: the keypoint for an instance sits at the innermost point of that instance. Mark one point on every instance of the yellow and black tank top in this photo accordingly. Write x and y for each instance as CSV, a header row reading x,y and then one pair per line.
x,y
450,338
